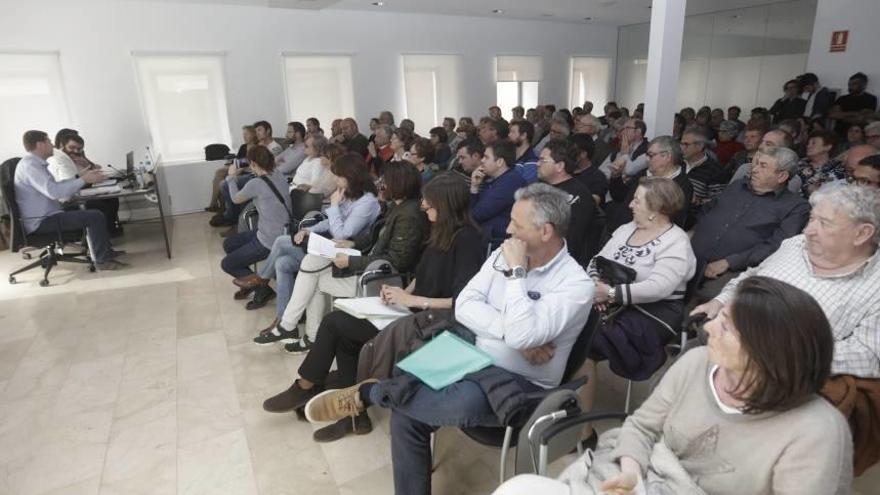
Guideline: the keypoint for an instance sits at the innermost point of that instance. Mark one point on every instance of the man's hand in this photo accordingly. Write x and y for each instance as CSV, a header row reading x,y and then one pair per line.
x,y
477,177
341,261
92,177
536,356
618,166
711,308
344,243
716,268
300,236
514,252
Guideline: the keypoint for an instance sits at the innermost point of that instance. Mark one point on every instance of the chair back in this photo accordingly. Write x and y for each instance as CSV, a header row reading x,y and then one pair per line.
x,y
302,202
527,459
216,151
249,218
7,186
377,273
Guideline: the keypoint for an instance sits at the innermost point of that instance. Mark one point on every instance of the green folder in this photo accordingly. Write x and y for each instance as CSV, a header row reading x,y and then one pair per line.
x,y
445,360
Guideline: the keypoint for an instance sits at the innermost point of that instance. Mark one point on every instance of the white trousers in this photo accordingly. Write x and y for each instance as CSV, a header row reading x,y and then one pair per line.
x,y
309,293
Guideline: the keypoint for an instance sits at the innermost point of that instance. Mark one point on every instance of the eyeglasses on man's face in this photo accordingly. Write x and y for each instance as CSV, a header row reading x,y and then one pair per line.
x,y
652,154
861,181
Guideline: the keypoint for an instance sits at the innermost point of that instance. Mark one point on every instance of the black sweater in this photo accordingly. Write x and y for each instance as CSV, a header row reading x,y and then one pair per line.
x,y
442,274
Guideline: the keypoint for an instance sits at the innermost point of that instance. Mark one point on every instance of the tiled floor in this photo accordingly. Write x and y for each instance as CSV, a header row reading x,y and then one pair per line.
x,y
144,381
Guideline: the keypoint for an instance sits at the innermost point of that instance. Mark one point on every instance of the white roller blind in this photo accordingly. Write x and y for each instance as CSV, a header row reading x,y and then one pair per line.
x,y
590,80
433,89
320,87
31,97
184,99
518,68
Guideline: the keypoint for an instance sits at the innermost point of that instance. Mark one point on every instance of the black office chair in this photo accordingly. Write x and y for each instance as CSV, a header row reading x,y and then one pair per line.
x,y
303,202
51,246
216,152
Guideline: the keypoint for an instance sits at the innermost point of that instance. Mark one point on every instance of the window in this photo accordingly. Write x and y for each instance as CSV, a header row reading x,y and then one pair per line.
x,y
31,96
185,103
517,82
590,78
320,87
433,89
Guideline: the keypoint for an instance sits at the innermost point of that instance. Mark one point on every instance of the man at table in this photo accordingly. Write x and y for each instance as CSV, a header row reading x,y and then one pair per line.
x,y
37,194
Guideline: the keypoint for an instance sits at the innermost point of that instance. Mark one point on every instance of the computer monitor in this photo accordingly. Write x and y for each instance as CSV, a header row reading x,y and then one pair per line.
x,y
129,163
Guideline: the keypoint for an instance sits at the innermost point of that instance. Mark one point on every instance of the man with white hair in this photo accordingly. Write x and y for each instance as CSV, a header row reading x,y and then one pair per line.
x,y
589,125
747,222
835,261
872,134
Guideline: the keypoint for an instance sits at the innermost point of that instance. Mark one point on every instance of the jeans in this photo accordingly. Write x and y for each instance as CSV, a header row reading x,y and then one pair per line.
x,y
340,337
282,265
462,404
230,209
242,250
93,220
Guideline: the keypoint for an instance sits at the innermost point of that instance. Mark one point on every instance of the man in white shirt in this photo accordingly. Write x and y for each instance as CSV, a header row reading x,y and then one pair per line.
x,y
528,296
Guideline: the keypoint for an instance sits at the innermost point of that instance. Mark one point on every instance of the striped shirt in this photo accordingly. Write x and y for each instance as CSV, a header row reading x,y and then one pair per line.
x,y
708,178
851,303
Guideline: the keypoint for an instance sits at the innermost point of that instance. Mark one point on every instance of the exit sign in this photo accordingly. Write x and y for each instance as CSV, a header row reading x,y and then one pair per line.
x,y
839,40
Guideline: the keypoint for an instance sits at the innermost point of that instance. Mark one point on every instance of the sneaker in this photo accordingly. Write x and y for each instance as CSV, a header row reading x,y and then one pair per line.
x,y
277,334
292,398
333,405
299,346
262,296
359,425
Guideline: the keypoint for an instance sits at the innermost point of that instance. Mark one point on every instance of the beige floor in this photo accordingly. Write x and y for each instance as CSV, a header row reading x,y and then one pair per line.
x,y
145,382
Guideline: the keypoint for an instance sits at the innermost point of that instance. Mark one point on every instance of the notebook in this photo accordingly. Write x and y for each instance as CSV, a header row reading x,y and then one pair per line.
x,y
445,360
325,248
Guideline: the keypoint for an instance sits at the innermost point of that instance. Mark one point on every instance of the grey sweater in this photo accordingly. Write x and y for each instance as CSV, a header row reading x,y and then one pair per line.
x,y
805,450
273,216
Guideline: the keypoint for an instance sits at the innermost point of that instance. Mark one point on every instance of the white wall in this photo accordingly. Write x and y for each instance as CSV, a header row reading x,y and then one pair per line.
x,y
96,38
861,18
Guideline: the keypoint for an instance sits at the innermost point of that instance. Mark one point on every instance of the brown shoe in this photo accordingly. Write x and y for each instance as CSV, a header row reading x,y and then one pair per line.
x,y
251,281
333,405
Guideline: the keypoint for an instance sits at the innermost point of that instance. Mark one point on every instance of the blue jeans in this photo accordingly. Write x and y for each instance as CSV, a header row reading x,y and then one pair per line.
x,y
462,404
282,265
230,209
242,250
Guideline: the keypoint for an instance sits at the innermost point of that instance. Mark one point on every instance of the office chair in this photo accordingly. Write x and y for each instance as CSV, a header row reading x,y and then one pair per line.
x,y
50,246
216,152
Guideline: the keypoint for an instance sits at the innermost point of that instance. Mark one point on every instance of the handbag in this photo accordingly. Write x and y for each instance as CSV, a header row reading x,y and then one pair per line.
x,y
614,273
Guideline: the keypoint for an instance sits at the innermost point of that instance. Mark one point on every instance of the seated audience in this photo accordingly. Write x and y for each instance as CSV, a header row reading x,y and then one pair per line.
x,y
649,309
380,151
747,222
818,168
556,167
468,158
588,125
584,170
68,162
872,134
292,157
492,130
336,131
270,197
779,139
707,176
697,431
521,134
853,108
421,155
856,154
409,125
751,142
310,170
495,113
400,242
631,159
733,113
664,160
401,142
249,140
38,196
326,183
727,146
866,172
493,185
453,255
264,137
352,139
559,129
313,127
442,152
855,136
791,105
386,118
527,294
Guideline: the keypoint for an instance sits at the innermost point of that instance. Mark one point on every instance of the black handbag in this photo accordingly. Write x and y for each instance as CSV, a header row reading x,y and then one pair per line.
x,y
614,273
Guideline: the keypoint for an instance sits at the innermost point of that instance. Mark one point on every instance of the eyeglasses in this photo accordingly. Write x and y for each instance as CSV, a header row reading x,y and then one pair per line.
x,y
498,268
861,181
872,136
630,127
546,160
683,144
652,154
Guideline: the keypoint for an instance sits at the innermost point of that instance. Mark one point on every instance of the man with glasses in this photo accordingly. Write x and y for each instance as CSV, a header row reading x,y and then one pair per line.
x,y
872,134
791,105
866,172
589,125
631,159
556,167
707,176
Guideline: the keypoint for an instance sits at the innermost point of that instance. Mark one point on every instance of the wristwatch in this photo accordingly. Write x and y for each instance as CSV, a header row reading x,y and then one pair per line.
x,y
612,294
517,272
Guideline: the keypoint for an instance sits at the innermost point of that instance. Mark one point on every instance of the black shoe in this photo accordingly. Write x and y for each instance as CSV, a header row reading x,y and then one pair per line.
x,y
262,296
278,334
332,380
359,425
299,346
242,294
586,444
219,220
292,398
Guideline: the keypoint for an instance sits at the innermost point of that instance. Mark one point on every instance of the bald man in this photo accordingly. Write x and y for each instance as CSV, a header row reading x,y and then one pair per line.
x,y
352,139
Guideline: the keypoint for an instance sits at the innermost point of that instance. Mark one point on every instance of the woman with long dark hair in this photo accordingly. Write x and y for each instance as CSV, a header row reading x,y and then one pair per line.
x,y
453,255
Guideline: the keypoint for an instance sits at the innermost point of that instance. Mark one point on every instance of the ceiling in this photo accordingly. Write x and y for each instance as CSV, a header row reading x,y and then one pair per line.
x,y
607,12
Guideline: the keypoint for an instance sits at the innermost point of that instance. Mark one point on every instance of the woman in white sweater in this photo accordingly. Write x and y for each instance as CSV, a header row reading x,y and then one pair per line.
x,y
741,415
640,316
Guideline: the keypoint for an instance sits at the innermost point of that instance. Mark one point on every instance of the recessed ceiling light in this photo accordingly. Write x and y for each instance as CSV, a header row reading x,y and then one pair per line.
x,y
497,11
588,19
378,4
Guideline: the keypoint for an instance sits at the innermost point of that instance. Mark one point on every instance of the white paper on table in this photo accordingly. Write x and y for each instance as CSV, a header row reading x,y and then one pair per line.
x,y
325,248
97,191
370,308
